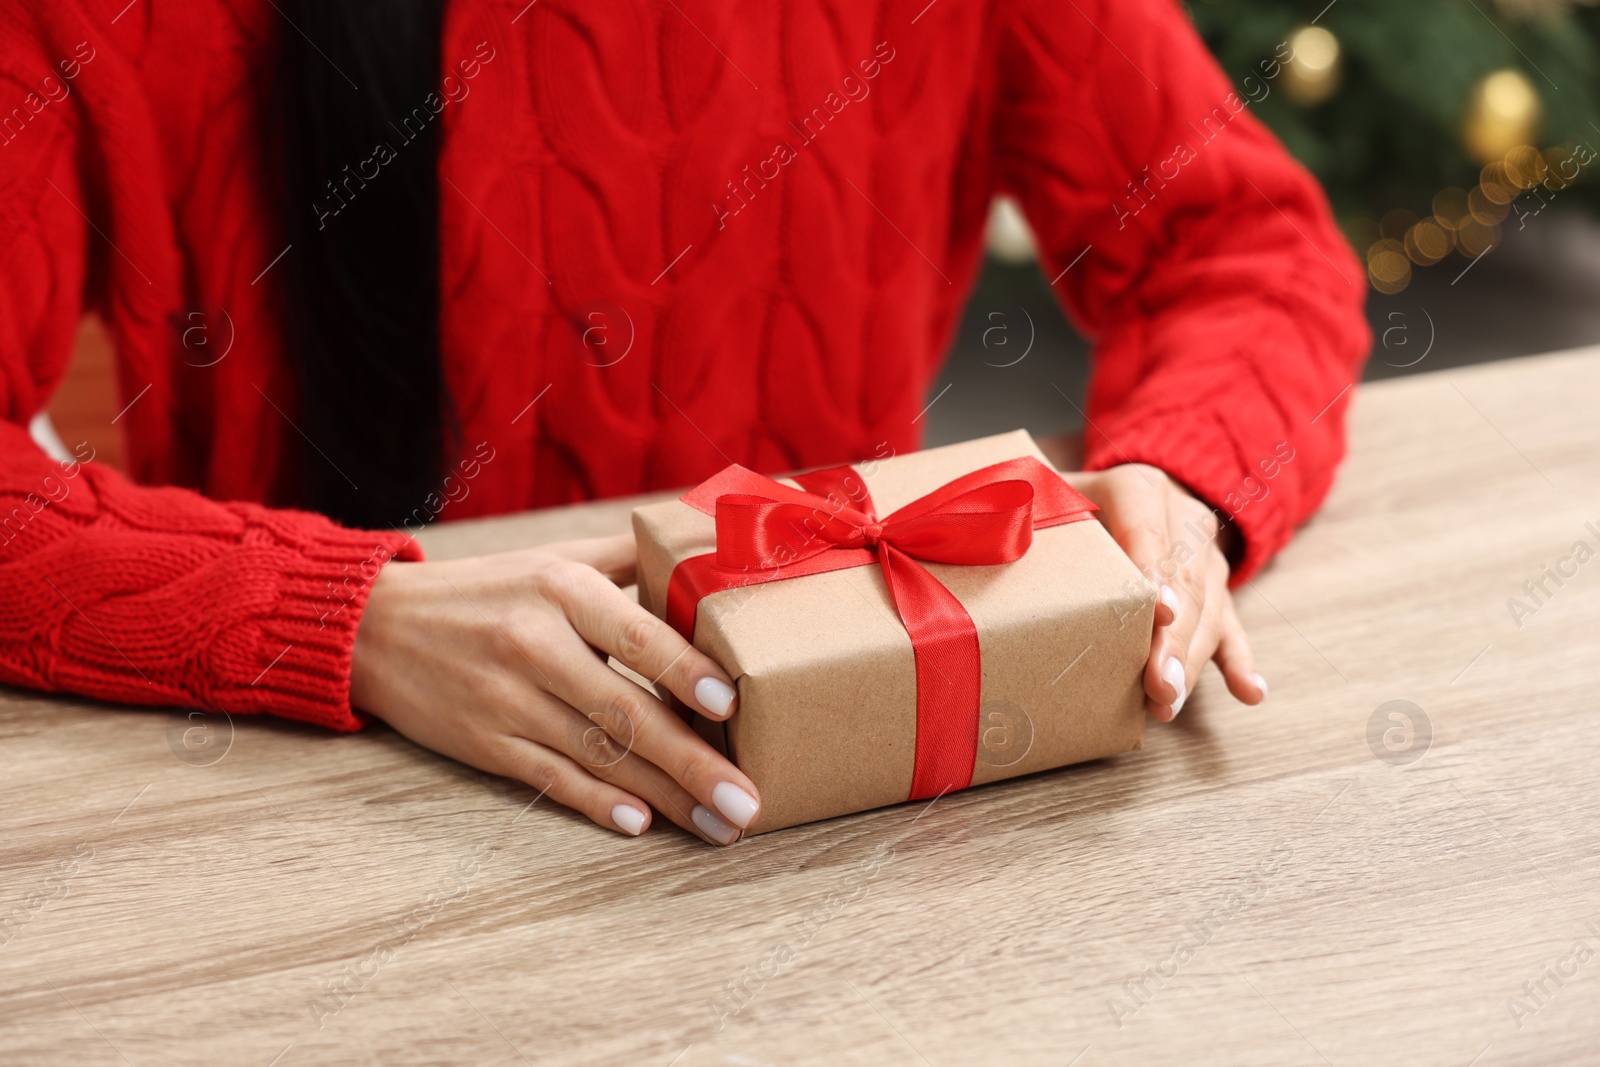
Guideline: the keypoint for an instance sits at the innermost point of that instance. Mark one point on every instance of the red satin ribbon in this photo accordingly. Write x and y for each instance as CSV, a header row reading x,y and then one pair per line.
x,y
768,532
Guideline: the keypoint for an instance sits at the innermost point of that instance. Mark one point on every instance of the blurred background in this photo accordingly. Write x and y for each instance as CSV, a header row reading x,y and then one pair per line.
x,y
1451,136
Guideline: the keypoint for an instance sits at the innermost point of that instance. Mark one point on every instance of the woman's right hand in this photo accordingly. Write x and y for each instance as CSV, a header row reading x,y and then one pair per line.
x,y
500,662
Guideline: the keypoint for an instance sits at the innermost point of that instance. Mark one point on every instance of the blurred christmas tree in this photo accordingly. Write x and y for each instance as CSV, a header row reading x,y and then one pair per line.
x,y
1434,124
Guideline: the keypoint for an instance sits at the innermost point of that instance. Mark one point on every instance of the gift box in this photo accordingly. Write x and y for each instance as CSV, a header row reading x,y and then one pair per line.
x,y
905,626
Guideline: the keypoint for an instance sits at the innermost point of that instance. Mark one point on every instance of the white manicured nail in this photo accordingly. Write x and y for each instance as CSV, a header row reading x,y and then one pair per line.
x,y
1261,684
737,806
707,822
715,695
628,819
1170,599
1172,672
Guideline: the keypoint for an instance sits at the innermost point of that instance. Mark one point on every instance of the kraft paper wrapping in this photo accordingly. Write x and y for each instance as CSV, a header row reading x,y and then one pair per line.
x,y
826,719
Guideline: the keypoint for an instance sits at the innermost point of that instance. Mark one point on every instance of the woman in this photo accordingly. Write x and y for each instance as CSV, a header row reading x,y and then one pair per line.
x,y
438,260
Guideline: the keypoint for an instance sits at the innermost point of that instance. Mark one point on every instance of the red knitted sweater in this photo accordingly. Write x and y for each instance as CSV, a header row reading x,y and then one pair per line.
x,y
674,236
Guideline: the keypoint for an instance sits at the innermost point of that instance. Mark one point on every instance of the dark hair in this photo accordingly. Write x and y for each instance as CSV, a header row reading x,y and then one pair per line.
x,y
361,284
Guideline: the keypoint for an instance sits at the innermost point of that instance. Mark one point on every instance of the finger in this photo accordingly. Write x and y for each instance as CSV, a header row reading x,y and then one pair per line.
x,y
1166,683
563,781
610,620
1218,636
1180,651
615,557
640,723
1167,677
669,798
598,753
1166,605
1237,662
1192,587
1181,676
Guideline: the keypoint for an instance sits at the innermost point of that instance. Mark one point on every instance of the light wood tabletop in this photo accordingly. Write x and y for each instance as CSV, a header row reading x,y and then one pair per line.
x,y
1331,878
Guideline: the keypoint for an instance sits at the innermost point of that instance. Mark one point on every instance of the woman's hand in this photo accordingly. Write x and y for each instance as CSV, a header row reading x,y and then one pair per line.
x,y
500,662
1172,537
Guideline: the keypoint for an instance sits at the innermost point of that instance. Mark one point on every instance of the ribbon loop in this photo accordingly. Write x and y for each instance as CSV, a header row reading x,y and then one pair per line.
x,y
987,525
756,533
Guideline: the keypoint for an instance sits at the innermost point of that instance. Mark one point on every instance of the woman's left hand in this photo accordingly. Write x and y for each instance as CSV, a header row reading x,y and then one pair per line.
x,y
1172,537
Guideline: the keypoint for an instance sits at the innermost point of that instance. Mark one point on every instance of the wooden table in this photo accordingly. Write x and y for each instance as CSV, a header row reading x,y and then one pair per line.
x,y
1347,889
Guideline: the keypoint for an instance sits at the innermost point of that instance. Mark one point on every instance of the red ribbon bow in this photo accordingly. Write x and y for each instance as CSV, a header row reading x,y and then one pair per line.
x,y
768,532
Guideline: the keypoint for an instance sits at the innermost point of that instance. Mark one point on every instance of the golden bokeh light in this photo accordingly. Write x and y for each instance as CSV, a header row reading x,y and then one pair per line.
x,y
1314,72
1503,112
1427,243
1388,266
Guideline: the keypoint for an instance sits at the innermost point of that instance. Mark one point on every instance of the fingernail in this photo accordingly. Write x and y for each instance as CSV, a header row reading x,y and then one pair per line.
x,y
736,805
706,821
715,695
1261,684
628,819
1170,599
1172,671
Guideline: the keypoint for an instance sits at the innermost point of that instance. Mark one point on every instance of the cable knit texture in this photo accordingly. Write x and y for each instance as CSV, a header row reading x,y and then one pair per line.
x,y
674,236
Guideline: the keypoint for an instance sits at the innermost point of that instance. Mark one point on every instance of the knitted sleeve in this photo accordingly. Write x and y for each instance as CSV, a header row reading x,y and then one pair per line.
x,y
125,593
1224,306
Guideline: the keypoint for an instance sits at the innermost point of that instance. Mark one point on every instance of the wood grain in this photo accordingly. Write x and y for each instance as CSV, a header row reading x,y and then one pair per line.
x,y
1337,907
